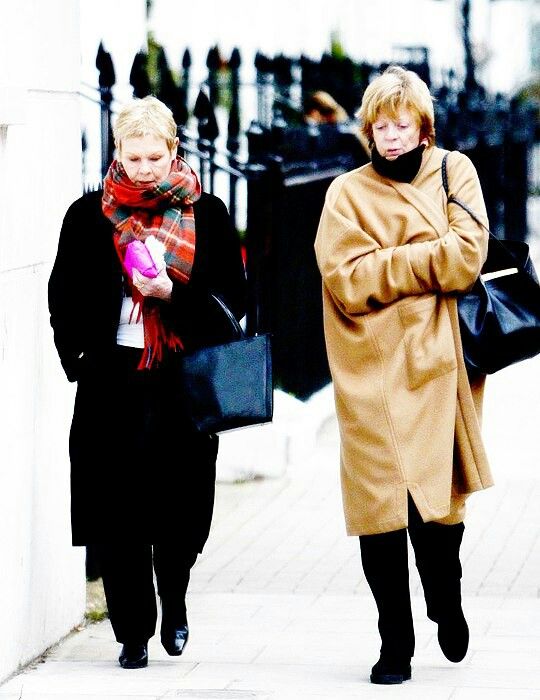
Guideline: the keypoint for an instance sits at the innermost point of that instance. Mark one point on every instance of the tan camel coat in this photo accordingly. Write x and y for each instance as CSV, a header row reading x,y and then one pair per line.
x,y
391,256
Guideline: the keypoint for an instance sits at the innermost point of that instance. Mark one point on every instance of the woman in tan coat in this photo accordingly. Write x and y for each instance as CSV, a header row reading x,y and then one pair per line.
x,y
393,257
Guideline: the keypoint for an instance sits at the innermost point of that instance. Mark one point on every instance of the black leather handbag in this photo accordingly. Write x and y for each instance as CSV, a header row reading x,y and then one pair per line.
x,y
499,317
229,386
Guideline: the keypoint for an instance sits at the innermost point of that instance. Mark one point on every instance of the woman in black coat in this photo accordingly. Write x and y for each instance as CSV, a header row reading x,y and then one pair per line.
x,y
142,477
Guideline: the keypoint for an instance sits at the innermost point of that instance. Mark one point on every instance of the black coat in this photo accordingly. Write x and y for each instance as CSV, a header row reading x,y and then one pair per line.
x,y
139,470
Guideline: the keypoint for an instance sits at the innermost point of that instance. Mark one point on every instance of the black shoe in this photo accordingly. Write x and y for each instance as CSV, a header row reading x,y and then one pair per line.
x,y
133,655
389,673
174,639
453,636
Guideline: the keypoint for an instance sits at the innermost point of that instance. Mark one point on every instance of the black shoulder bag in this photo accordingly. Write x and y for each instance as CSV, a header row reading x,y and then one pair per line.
x,y
229,386
499,317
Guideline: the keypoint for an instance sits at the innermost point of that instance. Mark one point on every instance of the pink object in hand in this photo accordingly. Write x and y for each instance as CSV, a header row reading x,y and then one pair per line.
x,y
138,257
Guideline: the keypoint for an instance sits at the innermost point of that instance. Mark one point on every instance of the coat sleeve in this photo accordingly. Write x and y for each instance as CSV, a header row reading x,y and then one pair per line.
x,y
219,270
227,272
63,283
362,276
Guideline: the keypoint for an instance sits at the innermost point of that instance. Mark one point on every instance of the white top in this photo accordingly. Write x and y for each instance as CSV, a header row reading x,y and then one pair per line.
x,y
130,331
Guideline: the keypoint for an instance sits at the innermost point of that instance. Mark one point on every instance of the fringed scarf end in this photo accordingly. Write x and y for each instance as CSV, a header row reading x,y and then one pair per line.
x,y
156,338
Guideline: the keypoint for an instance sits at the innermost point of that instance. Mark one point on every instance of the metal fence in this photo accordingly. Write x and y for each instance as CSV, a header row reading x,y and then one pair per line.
x,y
274,174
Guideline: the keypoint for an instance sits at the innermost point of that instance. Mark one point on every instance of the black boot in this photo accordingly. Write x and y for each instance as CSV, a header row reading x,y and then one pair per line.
x,y
172,572
453,636
174,627
436,549
134,655
384,560
387,672
174,639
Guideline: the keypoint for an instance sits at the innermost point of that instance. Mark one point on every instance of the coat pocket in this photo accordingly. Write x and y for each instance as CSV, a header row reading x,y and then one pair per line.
x,y
429,345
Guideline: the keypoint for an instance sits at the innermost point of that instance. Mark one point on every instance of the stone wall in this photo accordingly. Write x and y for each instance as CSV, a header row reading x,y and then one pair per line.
x,y
42,585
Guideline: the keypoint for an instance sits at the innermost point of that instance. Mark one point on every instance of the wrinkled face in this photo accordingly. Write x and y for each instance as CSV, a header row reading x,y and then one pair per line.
x,y
394,137
147,159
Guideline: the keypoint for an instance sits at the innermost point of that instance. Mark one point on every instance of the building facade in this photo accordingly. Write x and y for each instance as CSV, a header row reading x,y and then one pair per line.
x,y
43,578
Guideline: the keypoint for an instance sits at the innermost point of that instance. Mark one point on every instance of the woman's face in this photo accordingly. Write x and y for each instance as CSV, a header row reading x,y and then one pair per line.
x,y
146,159
394,137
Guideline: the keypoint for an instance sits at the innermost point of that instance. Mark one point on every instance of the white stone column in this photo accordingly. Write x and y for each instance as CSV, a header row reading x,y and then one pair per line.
x,y
42,586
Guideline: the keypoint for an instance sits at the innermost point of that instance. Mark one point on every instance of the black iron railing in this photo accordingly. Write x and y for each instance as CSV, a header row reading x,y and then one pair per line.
x,y
276,171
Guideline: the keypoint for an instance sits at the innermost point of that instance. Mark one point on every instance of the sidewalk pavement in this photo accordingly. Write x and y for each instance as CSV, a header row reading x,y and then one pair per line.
x,y
279,608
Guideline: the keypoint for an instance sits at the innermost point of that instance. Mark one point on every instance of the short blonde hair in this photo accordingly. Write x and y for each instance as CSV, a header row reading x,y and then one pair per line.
x,y
142,117
393,90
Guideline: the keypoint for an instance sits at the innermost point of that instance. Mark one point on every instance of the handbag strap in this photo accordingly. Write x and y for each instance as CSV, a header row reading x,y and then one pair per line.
x,y
457,201
469,211
237,328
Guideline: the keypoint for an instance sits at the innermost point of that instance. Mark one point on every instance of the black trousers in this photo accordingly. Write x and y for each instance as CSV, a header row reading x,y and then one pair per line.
x,y
128,580
385,563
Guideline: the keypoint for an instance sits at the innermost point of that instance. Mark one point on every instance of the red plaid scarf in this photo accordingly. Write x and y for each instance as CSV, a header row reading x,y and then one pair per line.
x,y
166,212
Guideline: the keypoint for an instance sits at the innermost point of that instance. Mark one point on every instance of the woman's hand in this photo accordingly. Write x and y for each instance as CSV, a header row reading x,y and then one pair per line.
x,y
160,286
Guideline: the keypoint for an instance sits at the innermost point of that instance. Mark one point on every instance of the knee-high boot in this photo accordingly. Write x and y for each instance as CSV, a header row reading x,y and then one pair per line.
x,y
436,549
384,560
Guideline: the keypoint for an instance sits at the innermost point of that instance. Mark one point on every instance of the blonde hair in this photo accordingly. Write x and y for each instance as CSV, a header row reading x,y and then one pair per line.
x,y
142,117
392,91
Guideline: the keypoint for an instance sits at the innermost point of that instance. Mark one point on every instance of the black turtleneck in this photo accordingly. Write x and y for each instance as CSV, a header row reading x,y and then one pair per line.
x,y
404,168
